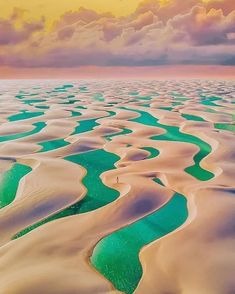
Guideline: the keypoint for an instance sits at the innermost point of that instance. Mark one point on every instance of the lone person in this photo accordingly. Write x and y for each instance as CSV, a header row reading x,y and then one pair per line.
x,y
117,180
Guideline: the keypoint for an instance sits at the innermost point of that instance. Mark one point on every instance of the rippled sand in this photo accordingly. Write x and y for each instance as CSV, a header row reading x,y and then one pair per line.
x,y
117,187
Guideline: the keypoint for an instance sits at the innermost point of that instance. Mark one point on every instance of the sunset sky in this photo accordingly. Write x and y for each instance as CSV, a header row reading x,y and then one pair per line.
x,y
38,35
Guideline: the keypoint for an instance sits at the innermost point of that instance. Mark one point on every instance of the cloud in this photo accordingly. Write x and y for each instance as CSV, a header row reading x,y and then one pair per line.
x,y
226,5
83,15
65,33
111,30
181,32
202,27
166,12
142,20
11,34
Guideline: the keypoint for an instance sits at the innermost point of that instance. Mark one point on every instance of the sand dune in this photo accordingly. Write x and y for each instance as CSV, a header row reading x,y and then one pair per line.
x,y
103,157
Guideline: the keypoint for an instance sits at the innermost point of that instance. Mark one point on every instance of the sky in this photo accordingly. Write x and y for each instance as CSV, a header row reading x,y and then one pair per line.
x,y
71,34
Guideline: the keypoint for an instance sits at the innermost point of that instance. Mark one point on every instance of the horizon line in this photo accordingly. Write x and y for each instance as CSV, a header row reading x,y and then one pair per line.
x,y
121,72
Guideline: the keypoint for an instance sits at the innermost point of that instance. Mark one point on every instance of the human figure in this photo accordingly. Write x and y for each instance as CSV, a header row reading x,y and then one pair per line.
x,y
117,180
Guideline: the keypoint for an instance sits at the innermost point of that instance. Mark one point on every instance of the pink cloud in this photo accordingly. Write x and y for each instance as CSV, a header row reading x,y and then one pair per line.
x,y
166,12
226,5
65,33
183,32
202,27
111,30
143,20
83,15
9,34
